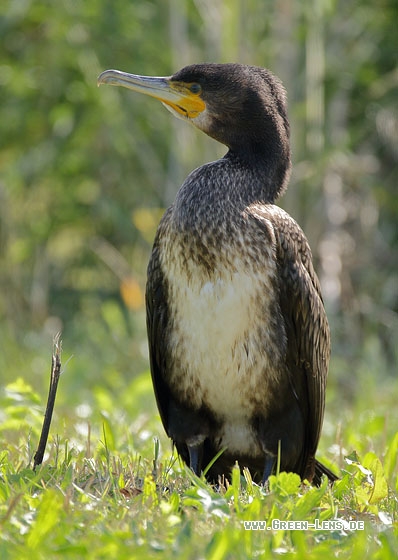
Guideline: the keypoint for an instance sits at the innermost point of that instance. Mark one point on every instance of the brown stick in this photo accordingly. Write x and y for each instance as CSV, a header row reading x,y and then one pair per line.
x,y
55,375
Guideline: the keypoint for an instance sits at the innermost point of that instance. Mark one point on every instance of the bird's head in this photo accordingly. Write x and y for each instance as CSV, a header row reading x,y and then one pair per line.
x,y
243,107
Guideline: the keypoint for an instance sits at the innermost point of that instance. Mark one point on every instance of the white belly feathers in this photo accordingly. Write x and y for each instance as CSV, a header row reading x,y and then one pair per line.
x,y
219,341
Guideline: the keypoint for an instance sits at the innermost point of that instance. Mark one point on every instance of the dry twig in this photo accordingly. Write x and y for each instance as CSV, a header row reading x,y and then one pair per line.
x,y
55,375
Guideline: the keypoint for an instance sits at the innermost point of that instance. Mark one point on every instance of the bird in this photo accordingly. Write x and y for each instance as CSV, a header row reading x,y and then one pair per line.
x,y
239,341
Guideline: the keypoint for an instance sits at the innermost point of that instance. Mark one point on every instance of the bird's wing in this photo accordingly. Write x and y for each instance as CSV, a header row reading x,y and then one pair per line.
x,y
157,314
307,329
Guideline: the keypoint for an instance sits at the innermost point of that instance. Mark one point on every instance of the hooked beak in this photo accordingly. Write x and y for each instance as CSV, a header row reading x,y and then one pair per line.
x,y
176,95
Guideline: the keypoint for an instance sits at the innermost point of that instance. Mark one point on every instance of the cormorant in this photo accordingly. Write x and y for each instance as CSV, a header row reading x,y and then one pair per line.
x,y
238,336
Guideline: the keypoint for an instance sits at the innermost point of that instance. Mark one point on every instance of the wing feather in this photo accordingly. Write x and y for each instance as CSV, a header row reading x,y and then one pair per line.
x,y
157,318
306,325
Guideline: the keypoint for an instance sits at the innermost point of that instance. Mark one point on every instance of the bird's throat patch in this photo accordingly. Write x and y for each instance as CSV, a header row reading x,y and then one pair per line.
x,y
189,107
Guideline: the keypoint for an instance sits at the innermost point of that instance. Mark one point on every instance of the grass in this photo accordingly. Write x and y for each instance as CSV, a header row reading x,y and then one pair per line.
x,y
109,489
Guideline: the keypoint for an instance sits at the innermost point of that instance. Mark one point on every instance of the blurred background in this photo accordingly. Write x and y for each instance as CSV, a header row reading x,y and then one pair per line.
x,y
85,174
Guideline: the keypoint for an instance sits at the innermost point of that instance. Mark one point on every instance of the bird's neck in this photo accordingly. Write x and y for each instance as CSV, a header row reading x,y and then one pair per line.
x,y
218,193
258,179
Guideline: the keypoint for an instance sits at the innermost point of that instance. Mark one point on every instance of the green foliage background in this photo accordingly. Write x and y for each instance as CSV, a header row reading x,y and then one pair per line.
x,y
85,174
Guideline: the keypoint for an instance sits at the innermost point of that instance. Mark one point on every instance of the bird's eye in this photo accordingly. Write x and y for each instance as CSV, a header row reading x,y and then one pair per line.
x,y
195,88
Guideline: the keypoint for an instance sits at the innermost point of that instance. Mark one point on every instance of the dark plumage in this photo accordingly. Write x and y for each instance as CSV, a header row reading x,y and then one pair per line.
x,y
238,337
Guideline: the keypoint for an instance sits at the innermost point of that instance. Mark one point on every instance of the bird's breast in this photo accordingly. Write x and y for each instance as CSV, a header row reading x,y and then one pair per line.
x,y
224,342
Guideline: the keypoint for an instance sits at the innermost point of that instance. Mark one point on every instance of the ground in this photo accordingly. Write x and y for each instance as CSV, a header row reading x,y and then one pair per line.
x,y
110,489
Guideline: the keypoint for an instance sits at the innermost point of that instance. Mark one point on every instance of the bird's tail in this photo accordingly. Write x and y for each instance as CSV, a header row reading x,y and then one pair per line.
x,y
320,470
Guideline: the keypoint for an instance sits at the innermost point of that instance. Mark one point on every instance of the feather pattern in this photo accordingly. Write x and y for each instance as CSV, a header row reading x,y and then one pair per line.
x,y
238,336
